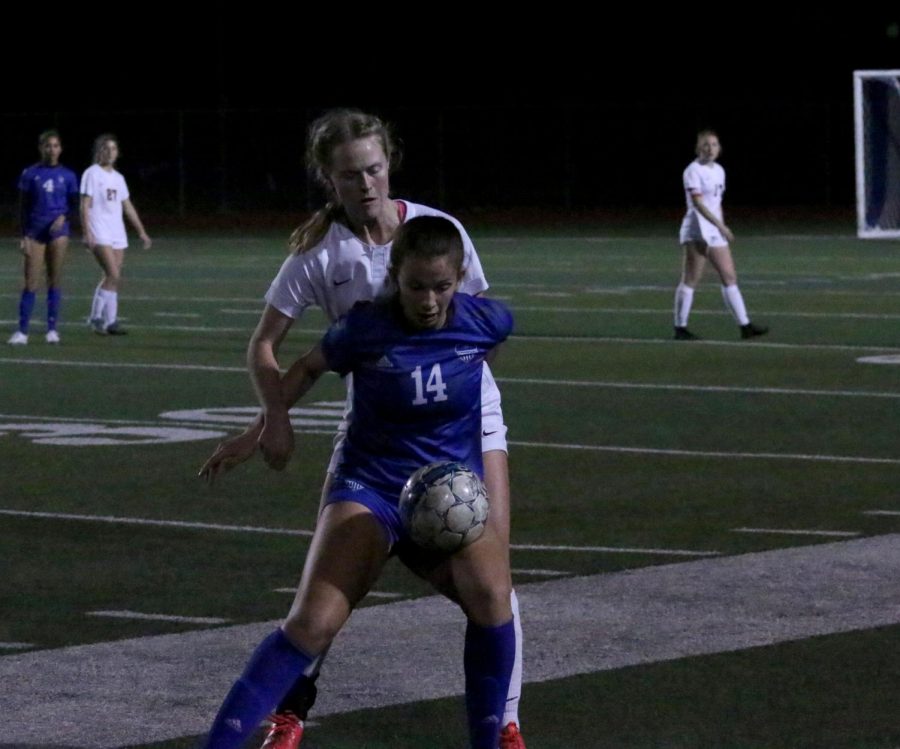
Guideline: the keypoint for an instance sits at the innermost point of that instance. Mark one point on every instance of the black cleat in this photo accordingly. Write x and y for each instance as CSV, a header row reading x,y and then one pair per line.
x,y
114,329
752,331
683,334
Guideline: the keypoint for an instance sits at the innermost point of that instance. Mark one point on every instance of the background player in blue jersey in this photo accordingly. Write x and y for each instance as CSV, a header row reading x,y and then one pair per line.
x,y
48,198
416,360
341,256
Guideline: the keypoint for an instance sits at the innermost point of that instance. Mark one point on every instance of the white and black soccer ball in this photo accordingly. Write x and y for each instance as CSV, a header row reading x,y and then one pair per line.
x,y
444,506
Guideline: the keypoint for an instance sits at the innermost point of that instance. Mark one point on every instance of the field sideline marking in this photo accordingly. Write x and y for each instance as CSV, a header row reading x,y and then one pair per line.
x,y
602,448
293,532
711,453
16,645
541,573
797,532
117,520
511,380
885,513
158,617
716,313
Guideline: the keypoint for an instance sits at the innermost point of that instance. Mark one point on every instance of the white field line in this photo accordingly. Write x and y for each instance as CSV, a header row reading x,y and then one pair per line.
x,y
157,617
717,313
188,424
756,344
118,520
883,513
541,573
294,532
699,388
712,454
16,645
798,532
177,314
569,446
505,380
615,550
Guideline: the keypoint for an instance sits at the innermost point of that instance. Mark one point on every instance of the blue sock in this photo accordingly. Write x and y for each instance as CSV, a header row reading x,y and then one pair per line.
x,y
26,307
270,672
54,296
489,656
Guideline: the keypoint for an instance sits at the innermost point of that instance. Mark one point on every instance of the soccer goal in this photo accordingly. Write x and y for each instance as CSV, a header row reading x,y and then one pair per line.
x,y
876,104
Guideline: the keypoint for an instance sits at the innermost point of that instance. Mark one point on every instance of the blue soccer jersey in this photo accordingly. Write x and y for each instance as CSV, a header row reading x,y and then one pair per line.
x,y
416,393
48,192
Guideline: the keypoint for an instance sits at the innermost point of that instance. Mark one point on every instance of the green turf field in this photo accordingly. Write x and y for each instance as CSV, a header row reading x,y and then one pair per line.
x,y
628,450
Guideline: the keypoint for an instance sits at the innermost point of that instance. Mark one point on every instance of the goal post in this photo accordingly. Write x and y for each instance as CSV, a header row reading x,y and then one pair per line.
x,y
876,105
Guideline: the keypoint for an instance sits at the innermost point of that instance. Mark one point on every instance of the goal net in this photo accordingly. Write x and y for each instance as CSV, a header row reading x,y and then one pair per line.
x,y
876,103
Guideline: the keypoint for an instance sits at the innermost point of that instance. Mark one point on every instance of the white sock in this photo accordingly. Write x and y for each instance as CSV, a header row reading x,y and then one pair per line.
x,y
511,711
684,299
111,311
98,304
734,302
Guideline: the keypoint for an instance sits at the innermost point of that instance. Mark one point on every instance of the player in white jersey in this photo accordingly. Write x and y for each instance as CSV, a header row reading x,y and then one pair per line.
x,y
341,256
704,236
104,200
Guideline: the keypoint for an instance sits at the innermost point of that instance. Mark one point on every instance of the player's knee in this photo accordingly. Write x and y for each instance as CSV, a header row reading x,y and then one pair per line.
x,y
487,602
312,631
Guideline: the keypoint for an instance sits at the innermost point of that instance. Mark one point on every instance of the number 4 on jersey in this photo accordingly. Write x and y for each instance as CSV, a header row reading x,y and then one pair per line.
x,y
434,385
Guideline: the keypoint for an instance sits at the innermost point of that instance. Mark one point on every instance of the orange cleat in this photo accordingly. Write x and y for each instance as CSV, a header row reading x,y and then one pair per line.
x,y
286,732
510,738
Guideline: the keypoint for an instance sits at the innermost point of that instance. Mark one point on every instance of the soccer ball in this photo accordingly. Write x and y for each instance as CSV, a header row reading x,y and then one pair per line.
x,y
444,506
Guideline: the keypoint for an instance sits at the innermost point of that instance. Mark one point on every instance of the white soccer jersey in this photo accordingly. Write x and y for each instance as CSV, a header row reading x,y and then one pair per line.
x,y
342,270
107,190
707,181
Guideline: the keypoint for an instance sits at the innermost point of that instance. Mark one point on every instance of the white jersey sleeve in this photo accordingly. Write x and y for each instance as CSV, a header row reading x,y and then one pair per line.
x,y
297,285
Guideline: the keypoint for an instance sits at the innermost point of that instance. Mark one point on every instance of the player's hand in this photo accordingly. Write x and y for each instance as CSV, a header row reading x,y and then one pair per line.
x,y
148,243
277,439
228,454
57,224
89,240
726,232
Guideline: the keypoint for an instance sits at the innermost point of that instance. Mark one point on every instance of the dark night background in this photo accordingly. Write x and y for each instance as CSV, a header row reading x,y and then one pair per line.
x,y
566,113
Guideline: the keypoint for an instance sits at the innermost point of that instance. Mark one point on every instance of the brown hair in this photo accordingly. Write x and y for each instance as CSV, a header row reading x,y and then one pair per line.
x,y
427,237
332,129
99,142
47,135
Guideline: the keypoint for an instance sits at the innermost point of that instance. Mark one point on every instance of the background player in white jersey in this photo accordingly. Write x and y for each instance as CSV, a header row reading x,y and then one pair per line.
x,y
341,255
48,198
104,198
704,236
395,429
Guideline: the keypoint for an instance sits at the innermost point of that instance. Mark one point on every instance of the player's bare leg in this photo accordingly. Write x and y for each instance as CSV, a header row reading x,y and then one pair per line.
x,y
721,259
33,267
55,257
348,551
693,265
105,306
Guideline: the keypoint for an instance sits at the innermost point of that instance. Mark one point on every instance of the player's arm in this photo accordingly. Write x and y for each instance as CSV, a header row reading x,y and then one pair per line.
x,y
24,210
135,221
276,440
265,374
87,202
700,206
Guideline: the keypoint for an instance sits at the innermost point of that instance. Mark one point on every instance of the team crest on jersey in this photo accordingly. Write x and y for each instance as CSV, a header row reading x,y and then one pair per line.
x,y
384,363
467,354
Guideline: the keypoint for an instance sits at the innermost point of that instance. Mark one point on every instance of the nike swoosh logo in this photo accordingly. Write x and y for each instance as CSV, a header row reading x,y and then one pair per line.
x,y
341,283
488,434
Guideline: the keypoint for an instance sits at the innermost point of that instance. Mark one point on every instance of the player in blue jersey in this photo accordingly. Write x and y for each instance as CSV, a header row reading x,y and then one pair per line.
x,y
48,198
340,256
416,359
